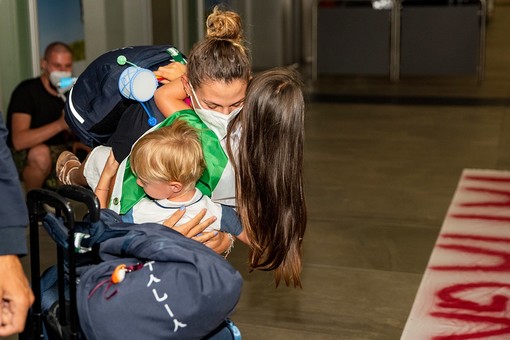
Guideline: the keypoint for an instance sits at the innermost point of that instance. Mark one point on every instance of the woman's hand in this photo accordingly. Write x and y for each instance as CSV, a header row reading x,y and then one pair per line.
x,y
218,242
170,72
194,229
191,228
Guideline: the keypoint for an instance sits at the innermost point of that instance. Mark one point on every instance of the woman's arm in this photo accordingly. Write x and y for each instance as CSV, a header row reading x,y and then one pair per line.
x,y
243,237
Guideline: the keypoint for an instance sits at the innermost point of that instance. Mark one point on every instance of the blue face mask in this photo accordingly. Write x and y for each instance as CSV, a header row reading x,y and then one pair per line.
x,y
216,121
63,81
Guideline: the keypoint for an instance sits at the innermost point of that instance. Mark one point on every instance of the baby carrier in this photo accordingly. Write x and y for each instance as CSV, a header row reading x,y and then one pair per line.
x,y
115,280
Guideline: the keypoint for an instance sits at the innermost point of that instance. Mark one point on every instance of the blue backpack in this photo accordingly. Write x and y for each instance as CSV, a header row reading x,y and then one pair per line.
x,y
95,104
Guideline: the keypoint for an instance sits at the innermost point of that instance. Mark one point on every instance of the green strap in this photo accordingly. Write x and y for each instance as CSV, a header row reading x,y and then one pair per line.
x,y
215,160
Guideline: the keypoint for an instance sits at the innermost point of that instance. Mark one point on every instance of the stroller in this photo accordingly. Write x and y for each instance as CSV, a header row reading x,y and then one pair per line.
x,y
116,280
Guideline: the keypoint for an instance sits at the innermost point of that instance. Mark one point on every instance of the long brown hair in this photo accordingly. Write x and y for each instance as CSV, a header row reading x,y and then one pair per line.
x,y
269,178
221,56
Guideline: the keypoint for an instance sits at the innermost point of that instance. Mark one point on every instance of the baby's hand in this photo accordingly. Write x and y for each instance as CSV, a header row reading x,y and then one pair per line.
x,y
170,72
111,165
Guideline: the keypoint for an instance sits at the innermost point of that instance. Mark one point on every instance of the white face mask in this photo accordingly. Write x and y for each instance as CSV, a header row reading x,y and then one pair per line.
x,y
216,121
58,78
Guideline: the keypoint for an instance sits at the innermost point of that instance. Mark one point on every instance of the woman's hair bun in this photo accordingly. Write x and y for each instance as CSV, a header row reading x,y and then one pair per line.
x,y
224,25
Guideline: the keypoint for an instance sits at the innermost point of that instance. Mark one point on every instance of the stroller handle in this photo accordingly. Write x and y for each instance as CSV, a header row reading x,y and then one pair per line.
x,y
83,195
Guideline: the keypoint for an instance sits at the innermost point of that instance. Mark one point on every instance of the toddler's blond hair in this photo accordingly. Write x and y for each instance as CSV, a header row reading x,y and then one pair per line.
x,y
170,153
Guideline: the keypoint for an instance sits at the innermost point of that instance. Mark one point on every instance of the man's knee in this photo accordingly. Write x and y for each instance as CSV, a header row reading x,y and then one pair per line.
x,y
40,157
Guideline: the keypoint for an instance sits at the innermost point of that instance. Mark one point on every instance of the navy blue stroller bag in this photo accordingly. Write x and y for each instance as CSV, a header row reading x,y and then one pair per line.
x,y
172,288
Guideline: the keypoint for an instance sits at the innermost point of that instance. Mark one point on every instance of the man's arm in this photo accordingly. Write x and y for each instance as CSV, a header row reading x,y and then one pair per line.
x,y
23,137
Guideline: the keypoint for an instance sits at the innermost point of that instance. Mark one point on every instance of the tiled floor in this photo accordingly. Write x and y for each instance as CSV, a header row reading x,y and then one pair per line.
x,y
379,179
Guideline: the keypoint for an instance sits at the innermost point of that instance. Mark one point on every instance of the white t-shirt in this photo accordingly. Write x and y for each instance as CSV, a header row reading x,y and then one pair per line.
x,y
157,211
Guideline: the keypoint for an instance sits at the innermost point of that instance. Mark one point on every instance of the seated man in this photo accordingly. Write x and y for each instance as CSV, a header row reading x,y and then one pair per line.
x,y
37,130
